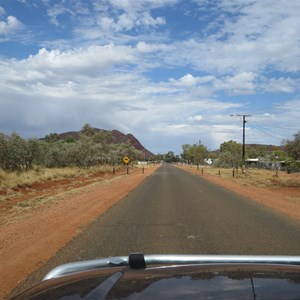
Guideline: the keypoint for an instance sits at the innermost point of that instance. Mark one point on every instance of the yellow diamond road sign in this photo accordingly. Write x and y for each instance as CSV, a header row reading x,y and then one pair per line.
x,y
126,159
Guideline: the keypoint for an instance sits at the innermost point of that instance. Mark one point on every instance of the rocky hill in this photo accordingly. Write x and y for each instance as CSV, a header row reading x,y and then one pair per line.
x,y
118,138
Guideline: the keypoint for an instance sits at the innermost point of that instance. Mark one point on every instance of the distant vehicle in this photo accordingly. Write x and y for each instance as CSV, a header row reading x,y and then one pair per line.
x,y
173,277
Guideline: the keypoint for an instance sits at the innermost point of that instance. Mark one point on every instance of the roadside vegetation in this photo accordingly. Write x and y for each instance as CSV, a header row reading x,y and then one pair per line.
x,y
251,176
24,162
265,166
229,155
17,179
92,148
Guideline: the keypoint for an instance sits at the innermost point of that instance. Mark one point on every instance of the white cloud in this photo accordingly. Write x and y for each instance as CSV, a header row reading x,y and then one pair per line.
x,y
291,109
63,90
63,12
124,68
247,41
190,80
126,22
41,99
271,28
186,80
117,21
272,127
239,84
281,85
257,36
57,10
141,5
147,20
11,25
88,61
195,118
154,48
2,11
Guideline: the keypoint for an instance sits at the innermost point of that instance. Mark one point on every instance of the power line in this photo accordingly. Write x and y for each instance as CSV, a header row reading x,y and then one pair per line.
x,y
262,131
272,126
278,127
269,128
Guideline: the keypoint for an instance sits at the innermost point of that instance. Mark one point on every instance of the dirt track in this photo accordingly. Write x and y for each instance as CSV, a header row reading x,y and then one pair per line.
x,y
39,233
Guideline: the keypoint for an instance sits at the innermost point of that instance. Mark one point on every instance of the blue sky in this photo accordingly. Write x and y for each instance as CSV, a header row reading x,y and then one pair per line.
x,y
170,72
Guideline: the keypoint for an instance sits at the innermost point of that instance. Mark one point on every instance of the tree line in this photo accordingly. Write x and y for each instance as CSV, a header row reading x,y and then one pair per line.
x,y
91,148
230,153
94,147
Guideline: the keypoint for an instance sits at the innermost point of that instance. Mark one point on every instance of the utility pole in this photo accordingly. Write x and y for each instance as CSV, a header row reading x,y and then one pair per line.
x,y
244,135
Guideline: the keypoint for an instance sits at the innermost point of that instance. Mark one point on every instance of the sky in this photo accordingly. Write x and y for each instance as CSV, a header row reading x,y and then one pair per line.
x,y
169,72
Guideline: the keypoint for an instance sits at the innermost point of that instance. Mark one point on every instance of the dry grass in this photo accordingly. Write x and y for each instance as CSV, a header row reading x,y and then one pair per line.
x,y
19,202
13,180
255,177
55,197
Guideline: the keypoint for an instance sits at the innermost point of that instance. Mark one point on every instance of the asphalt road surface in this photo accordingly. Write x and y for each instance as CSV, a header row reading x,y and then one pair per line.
x,y
175,212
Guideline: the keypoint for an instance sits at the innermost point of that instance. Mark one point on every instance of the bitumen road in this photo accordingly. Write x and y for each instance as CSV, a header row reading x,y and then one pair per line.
x,y
176,212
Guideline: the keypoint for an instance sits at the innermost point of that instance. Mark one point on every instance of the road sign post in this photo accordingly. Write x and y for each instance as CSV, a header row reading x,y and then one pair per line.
x,y
126,161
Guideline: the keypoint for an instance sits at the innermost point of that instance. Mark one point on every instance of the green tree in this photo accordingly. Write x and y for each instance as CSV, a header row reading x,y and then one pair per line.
x,y
56,156
186,155
252,152
199,152
231,154
31,153
262,151
116,154
86,152
226,160
52,137
17,152
170,157
41,152
88,130
194,153
4,151
104,140
292,147
159,157
69,139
